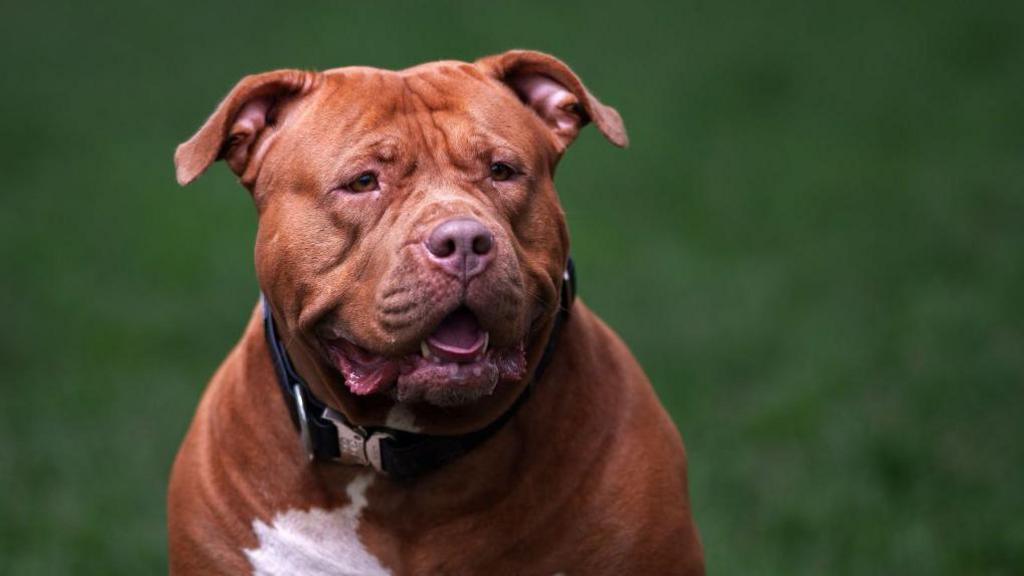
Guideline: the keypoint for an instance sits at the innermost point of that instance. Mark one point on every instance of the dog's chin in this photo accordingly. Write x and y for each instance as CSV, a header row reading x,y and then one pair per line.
x,y
455,366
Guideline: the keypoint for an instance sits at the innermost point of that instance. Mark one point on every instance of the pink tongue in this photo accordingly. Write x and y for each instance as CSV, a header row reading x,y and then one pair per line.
x,y
459,330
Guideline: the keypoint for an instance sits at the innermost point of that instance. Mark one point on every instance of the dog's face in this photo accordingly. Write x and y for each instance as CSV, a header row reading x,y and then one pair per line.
x,y
410,238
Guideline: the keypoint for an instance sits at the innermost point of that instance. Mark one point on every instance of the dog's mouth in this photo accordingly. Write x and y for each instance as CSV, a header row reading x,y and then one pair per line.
x,y
455,365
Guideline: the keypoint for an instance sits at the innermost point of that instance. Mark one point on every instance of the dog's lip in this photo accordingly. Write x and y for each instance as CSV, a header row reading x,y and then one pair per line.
x,y
364,372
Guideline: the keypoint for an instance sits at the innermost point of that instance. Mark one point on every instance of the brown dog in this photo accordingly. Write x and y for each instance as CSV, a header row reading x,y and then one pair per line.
x,y
418,394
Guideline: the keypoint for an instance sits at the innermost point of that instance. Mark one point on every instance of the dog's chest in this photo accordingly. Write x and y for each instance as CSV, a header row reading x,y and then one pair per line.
x,y
315,541
318,542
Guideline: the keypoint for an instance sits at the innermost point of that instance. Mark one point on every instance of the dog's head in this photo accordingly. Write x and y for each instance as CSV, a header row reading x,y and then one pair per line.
x,y
410,242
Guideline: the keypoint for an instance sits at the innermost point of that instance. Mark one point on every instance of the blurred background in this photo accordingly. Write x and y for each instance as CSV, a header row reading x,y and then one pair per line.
x,y
815,246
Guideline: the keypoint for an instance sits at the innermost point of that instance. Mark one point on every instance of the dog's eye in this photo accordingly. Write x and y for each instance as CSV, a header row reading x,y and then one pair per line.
x,y
365,182
501,172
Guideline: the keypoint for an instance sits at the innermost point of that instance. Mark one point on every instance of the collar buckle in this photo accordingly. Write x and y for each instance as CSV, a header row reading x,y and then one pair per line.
x,y
357,445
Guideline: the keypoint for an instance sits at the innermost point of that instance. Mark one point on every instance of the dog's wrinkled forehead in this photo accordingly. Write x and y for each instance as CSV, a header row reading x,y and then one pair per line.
x,y
446,114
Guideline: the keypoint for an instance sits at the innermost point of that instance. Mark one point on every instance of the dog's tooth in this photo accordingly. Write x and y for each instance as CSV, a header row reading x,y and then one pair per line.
x,y
427,353
487,341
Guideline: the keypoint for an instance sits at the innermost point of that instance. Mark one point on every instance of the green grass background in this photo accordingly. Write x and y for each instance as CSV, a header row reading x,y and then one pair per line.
x,y
814,245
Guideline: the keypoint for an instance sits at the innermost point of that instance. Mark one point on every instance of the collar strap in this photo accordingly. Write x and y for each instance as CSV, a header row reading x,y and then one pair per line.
x,y
328,436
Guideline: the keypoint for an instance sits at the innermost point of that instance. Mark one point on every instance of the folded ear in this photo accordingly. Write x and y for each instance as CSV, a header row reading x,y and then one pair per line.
x,y
556,94
235,130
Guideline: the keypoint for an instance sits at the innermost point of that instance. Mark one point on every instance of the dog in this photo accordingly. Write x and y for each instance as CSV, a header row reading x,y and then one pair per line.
x,y
417,390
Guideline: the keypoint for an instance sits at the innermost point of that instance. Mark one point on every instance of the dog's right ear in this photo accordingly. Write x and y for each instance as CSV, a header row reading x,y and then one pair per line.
x,y
237,129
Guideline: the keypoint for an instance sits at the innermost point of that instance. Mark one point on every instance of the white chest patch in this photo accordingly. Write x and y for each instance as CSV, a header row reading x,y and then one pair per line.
x,y
316,542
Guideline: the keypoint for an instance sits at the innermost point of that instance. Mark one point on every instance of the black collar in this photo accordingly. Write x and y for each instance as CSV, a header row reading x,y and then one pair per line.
x,y
328,436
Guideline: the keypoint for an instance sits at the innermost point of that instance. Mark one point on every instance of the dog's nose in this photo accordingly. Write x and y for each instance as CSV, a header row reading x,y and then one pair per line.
x,y
462,247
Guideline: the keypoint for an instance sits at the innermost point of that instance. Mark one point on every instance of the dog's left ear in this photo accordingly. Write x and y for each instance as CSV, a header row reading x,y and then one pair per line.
x,y
556,94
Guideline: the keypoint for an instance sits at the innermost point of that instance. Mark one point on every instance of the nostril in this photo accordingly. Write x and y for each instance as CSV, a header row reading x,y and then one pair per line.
x,y
447,248
441,244
482,243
